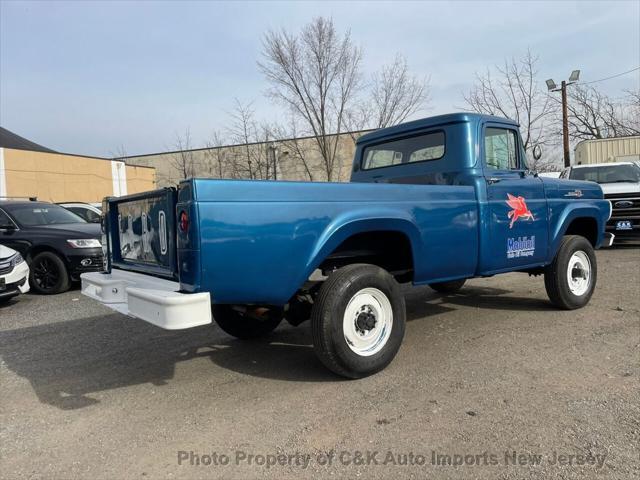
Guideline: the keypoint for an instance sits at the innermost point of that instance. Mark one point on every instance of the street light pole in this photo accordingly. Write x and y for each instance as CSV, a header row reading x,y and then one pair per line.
x,y
565,125
274,158
551,86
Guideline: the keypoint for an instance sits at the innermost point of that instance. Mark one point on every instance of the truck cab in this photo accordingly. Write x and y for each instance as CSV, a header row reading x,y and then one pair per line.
x,y
431,202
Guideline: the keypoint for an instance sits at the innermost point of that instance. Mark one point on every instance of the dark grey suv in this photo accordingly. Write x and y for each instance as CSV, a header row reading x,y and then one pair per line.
x,y
57,244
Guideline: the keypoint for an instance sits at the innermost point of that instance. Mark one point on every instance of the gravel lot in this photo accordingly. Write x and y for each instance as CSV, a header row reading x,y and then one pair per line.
x,y
86,393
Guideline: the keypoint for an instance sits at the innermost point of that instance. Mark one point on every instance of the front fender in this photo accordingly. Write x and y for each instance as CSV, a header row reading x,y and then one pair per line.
x,y
351,223
570,213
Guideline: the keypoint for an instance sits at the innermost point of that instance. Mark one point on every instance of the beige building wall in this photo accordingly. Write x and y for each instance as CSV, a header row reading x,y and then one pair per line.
x,y
297,159
619,149
57,177
140,179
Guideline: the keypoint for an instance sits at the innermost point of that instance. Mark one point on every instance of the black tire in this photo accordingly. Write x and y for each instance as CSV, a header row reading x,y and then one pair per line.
x,y
48,274
334,297
448,287
243,326
556,280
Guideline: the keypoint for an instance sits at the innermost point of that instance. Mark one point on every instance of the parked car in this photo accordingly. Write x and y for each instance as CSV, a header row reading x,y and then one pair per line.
x,y
57,244
620,182
91,213
14,274
434,201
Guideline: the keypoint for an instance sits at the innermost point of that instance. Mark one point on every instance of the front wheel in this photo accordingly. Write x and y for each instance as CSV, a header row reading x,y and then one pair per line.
x,y
48,274
571,277
244,323
358,320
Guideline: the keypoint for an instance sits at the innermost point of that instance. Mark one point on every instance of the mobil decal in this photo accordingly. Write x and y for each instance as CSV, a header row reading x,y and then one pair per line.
x,y
519,209
521,247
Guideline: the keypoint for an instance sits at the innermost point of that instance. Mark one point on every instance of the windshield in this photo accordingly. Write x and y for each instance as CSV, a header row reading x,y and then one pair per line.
x,y
607,174
42,214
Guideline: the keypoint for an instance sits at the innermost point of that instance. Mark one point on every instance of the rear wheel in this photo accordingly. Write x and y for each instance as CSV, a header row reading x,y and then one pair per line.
x,y
358,320
448,287
48,274
246,322
571,277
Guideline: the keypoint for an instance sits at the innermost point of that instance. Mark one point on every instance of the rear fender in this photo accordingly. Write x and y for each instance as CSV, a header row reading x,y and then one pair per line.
x,y
352,223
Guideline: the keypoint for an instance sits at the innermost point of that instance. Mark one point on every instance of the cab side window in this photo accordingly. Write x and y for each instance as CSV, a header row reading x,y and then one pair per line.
x,y
501,148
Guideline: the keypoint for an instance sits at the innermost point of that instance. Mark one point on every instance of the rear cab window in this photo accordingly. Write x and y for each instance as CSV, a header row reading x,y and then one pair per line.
x,y
419,148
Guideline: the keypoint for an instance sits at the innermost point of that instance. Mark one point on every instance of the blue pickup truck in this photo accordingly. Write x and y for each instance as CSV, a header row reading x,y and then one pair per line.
x,y
434,201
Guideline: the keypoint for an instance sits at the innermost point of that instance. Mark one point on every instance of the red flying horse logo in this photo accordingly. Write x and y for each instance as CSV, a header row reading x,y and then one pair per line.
x,y
520,209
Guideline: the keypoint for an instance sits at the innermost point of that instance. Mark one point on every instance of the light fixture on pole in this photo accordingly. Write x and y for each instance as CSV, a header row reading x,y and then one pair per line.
x,y
552,87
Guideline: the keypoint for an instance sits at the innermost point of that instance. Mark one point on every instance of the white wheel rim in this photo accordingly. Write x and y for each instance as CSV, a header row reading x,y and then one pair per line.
x,y
367,322
579,273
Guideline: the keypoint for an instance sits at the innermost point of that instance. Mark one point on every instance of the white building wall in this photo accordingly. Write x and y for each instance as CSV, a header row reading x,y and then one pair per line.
x,y
608,150
3,177
119,178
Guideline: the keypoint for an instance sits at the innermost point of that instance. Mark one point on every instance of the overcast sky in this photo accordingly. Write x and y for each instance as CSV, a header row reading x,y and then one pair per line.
x,y
89,77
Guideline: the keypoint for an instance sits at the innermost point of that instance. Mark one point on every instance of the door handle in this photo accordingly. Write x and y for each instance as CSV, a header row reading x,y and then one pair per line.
x,y
492,180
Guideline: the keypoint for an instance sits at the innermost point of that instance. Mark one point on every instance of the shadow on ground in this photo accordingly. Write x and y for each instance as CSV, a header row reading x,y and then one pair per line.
x,y
423,302
8,302
67,361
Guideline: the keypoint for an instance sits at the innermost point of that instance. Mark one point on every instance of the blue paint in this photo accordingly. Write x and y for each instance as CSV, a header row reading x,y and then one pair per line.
x,y
257,241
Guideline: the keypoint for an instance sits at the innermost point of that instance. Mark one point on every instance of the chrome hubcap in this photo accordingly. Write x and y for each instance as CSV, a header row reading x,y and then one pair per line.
x,y
367,322
579,273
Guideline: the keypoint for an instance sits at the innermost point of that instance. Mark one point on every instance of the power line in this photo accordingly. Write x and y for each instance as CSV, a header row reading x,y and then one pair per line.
x,y
612,76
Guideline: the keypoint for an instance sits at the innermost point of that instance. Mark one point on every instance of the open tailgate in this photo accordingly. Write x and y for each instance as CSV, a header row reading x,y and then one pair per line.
x,y
140,232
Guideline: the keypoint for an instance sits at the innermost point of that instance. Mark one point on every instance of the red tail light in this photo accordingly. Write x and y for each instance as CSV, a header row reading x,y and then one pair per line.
x,y
183,221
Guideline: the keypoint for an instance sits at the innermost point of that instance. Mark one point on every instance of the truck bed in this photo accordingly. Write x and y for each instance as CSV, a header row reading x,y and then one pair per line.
x,y
264,239
259,241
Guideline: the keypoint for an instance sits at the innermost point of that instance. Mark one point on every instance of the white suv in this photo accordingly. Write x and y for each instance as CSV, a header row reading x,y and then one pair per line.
x,y
620,182
88,211
14,274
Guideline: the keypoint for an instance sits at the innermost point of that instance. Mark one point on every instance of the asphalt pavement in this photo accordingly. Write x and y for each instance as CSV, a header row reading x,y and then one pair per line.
x,y
490,383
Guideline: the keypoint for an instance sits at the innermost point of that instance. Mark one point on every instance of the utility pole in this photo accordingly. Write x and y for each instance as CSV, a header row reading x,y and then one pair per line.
x,y
552,87
565,125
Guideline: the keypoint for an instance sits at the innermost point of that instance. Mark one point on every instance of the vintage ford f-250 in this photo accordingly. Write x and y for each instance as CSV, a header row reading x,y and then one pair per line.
x,y
433,201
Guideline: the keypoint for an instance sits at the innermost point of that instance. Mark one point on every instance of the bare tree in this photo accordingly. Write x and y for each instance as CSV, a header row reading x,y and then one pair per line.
x,y
296,148
551,161
183,158
592,114
513,91
263,152
216,157
242,132
315,74
396,94
632,100
251,157
120,153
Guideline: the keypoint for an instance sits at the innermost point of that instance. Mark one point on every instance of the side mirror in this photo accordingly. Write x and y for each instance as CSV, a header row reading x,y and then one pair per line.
x,y
8,226
537,152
